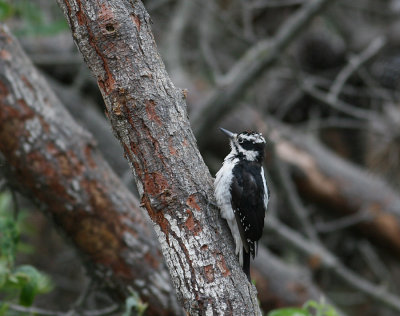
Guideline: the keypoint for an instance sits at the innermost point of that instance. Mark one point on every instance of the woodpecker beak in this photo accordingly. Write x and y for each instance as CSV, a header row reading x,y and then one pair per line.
x,y
227,133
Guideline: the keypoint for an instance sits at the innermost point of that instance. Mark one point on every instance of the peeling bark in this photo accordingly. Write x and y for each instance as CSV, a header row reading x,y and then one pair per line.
x,y
56,163
148,116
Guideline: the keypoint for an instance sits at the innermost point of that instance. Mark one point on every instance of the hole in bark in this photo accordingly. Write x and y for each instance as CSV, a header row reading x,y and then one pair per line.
x,y
110,28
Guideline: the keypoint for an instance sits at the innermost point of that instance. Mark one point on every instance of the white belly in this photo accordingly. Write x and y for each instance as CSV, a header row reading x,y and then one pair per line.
x,y
222,185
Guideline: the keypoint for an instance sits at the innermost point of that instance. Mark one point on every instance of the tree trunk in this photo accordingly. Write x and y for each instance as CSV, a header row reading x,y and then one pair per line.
x,y
55,162
148,116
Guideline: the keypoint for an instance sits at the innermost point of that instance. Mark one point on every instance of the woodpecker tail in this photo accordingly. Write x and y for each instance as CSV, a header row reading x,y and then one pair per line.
x,y
246,263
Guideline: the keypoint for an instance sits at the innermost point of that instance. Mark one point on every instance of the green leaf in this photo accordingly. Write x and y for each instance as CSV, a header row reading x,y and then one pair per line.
x,y
25,248
291,311
9,237
31,274
134,301
31,282
141,308
130,303
28,293
4,273
320,309
5,198
33,21
3,308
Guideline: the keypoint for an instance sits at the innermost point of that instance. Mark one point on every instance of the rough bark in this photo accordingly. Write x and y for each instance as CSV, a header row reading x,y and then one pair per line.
x,y
149,117
56,163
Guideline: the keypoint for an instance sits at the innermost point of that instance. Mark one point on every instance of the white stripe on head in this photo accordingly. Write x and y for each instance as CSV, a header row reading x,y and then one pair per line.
x,y
256,138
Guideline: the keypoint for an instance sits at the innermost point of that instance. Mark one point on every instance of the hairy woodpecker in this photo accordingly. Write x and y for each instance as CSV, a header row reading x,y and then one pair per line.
x,y
242,193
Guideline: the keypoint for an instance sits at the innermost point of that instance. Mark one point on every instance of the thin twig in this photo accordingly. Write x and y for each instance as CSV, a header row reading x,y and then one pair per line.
x,y
250,67
330,262
247,20
3,183
102,312
47,312
334,122
294,200
262,4
379,8
339,105
34,310
15,204
343,222
82,297
56,59
353,65
374,262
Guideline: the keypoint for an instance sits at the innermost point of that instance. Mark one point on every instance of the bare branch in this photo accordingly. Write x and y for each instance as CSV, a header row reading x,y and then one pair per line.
x,y
375,263
262,4
41,311
339,186
254,62
294,200
353,65
275,278
343,222
329,261
338,105
174,39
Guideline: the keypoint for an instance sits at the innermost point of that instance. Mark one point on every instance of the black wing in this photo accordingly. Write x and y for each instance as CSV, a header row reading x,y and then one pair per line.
x,y
247,191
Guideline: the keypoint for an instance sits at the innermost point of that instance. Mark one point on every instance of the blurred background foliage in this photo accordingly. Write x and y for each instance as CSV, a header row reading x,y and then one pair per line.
x,y
18,283
30,18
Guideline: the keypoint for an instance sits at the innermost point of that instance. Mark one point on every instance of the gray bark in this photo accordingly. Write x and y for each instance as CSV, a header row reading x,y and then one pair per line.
x,y
148,116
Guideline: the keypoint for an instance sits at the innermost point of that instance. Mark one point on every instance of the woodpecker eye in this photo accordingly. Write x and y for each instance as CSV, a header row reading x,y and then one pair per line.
x,y
240,140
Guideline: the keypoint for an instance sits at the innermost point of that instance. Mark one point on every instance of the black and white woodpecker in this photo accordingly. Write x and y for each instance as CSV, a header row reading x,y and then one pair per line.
x,y
242,193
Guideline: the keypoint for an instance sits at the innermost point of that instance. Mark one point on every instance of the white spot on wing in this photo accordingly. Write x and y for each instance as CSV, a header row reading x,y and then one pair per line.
x,y
266,197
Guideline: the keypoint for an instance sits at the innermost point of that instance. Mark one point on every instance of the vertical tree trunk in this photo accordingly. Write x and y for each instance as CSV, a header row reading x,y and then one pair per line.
x,y
148,115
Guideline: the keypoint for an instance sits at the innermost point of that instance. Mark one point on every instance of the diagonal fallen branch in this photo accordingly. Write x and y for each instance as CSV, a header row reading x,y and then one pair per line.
x,y
55,162
339,186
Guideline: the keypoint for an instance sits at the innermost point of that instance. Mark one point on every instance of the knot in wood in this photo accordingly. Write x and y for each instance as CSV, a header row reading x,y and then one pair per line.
x,y
110,28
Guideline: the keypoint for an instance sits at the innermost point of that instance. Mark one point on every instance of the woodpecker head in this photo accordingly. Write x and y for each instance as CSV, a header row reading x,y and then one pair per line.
x,y
248,145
